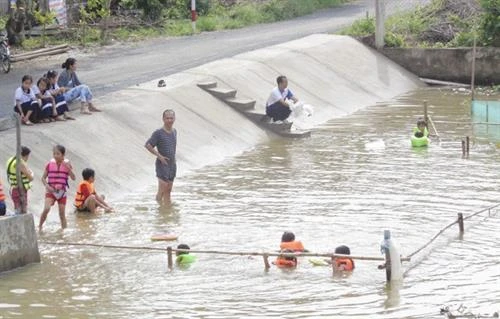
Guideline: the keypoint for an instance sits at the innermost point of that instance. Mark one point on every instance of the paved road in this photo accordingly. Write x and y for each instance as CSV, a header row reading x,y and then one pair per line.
x,y
115,67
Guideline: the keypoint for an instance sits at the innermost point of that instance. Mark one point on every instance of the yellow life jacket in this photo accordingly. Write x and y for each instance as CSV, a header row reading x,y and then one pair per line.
x,y
11,174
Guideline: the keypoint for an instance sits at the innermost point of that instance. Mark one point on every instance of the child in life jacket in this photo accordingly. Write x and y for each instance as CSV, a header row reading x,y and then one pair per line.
x,y
55,179
87,199
289,245
342,263
421,129
183,257
3,208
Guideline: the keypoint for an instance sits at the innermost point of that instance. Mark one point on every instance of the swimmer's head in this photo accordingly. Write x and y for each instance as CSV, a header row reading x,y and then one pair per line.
x,y
182,246
419,134
287,237
343,250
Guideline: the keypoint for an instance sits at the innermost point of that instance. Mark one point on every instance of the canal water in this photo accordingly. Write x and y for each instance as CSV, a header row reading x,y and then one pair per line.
x,y
355,177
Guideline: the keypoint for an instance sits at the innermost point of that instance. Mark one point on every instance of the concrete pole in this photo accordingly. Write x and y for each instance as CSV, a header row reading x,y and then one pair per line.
x,y
379,24
473,71
193,15
20,185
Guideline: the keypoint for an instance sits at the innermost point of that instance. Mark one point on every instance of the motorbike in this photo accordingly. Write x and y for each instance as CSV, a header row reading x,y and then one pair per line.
x,y
4,53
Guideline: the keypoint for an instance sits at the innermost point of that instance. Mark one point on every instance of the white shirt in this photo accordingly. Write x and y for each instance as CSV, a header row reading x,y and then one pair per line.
x,y
23,97
277,95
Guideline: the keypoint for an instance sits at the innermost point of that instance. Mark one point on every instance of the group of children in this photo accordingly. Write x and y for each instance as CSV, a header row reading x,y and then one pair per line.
x,y
55,179
289,248
47,101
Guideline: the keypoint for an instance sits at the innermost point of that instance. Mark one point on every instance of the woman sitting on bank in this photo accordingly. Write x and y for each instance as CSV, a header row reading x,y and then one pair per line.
x,y
73,88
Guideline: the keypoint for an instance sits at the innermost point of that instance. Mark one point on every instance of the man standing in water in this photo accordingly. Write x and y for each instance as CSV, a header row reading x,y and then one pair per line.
x,y
165,142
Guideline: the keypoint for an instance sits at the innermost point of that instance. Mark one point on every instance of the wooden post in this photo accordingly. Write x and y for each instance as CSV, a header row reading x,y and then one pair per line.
x,y
463,148
473,71
467,144
461,223
170,259
266,261
20,185
426,115
379,24
387,253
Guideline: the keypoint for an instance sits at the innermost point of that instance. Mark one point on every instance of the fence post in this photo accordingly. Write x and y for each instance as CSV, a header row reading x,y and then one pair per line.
x,y
387,236
473,71
426,115
467,144
461,223
170,259
379,24
463,148
193,15
20,185
266,261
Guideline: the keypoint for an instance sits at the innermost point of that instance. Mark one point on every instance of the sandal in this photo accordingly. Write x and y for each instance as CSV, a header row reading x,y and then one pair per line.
x,y
94,109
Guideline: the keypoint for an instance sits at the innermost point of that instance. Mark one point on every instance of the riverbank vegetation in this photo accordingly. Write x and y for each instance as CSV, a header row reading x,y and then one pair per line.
x,y
442,23
102,21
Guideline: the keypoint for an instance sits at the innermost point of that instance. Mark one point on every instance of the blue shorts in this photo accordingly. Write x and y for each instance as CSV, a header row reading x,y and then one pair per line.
x,y
3,208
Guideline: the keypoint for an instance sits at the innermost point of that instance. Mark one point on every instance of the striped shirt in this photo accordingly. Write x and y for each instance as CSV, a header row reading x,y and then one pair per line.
x,y
165,143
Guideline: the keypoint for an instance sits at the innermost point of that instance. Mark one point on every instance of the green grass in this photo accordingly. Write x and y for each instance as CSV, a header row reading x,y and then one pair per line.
x,y
408,29
218,17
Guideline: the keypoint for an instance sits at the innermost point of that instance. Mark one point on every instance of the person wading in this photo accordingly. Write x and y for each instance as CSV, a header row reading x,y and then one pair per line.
x,y
162,144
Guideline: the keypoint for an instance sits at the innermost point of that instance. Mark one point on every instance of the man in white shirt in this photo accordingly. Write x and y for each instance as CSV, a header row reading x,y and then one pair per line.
x,y
276,107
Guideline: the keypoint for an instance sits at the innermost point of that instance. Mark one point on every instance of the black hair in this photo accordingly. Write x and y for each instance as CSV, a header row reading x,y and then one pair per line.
x,y
25,151
88,173
69,62
168,111
183,246
280,79
343,250
60,148
419,134
287,237
51,74
27,77
421,121
43,79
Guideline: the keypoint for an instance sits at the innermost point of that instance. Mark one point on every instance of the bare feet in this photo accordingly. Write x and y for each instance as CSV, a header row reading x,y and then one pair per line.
x,y
68,117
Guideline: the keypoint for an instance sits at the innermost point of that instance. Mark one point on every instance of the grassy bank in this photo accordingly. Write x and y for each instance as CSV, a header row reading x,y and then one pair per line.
x,y
443,23
174,22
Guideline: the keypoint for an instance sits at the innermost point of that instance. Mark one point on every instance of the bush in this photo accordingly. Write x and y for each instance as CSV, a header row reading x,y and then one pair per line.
x,y
207,24
362,27
490,22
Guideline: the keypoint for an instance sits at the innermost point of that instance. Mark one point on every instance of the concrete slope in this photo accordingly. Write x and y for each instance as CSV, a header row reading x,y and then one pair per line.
x,y
336,74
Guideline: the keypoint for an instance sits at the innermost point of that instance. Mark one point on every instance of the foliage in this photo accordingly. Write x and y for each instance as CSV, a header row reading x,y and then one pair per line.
x,y
94,11
490,23
3,21
44,18
361,27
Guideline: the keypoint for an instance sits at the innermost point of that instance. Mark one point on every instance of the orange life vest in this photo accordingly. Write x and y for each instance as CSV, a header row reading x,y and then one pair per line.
x,y
346,264
285,263
80,197
292,245
2,194
57,175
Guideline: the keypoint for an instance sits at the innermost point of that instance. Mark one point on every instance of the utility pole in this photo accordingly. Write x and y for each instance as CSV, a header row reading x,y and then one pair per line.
x,y
379,24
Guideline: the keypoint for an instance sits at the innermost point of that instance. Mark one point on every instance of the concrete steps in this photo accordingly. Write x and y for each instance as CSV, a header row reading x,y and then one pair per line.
x,y
247,108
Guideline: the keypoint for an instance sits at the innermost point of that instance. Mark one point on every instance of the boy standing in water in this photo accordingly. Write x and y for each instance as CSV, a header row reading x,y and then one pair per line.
x,y
55,179
165,142
26,179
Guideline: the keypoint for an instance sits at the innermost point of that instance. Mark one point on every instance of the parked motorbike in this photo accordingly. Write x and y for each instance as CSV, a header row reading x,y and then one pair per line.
x,y
4,53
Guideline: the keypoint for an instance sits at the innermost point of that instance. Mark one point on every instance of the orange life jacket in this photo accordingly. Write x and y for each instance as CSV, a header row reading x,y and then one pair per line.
x,y
285,263
292,245
80,197
57,175
346,264
2,194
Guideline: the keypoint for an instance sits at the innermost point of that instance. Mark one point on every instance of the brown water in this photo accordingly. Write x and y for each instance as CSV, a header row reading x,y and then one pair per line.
x,y
355,177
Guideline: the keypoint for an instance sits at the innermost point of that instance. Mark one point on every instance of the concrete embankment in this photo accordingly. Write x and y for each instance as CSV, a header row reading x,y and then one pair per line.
x,y
18,244
337,75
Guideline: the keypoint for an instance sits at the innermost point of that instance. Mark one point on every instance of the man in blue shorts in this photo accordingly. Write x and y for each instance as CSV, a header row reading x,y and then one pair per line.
x,y
276,106
163,144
